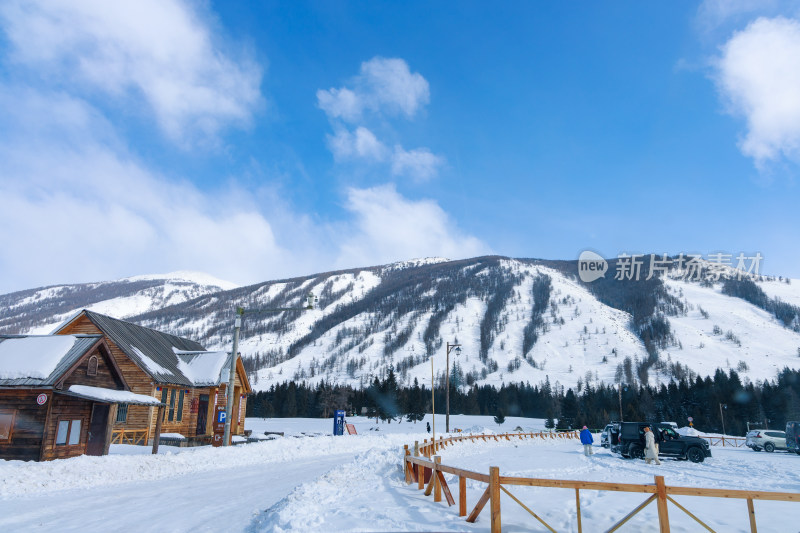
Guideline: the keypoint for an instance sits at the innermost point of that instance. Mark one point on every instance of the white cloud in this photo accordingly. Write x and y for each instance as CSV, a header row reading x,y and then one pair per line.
x,y
758,75
158,51
78,207
359,144
390,227
420,164
383,85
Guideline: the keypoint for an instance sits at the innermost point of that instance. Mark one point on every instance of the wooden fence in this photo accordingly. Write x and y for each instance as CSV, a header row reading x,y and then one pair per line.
x,y
426,469
736,442
122,436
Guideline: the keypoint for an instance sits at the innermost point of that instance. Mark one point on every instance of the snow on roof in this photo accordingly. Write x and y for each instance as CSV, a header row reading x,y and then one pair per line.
x,y
33,357
111,395
203,368
152,367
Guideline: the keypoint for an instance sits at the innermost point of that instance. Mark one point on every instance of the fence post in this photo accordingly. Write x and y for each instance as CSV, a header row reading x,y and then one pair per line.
x,y
578,506
751,511
494,495
437,487
406,453
462,496
663,516
416,448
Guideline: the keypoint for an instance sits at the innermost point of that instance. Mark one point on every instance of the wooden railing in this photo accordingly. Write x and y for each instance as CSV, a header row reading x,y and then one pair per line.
x,y
736,442
425,468
129,436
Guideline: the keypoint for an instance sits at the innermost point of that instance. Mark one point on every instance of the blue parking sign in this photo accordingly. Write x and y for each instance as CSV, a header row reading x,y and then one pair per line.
x,y
221,417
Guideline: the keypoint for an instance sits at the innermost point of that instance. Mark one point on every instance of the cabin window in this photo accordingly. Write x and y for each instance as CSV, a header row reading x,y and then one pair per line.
x,y
122,413
69,433
164,401
180,405
6,424
91,369
171,416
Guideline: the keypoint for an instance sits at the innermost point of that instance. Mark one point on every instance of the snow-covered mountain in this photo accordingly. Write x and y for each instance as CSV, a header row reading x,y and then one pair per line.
x,y
515,319
38,311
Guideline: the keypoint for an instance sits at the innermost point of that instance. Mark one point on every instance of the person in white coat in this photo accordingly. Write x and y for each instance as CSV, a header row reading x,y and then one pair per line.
x,y
650,448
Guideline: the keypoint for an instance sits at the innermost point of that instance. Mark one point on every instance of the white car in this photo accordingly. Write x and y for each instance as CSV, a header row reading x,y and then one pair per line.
x,y
766,439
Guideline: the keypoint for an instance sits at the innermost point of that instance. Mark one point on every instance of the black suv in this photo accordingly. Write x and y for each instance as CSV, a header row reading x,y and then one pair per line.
x,y
627,439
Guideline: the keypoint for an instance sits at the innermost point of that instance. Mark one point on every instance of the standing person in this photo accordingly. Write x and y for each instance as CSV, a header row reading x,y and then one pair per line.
x,y
587,440
650,449
429,426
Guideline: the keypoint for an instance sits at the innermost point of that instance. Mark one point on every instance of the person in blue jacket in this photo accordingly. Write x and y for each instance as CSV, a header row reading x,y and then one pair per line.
x,y
587,440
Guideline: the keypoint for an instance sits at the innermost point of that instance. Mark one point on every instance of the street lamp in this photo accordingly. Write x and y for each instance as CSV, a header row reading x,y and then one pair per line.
x,y
237,325
619,393
721,416
447,384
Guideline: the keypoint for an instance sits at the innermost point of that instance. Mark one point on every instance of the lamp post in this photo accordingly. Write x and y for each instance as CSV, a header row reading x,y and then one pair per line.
x,y
619,393
721,416
447,384
237,325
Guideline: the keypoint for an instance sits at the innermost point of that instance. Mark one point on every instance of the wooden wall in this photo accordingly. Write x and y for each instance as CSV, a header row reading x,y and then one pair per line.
x,y
105,377
66,408
29,423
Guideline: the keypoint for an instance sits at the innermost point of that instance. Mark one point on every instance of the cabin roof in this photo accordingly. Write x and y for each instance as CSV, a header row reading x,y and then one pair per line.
x,y
40,360
204,368
166,358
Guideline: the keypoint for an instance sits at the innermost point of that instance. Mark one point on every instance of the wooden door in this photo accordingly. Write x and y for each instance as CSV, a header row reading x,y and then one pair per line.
x,y
202,415
96,443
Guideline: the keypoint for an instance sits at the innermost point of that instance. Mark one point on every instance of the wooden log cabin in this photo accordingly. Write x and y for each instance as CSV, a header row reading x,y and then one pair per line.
x,y
58,396
179,372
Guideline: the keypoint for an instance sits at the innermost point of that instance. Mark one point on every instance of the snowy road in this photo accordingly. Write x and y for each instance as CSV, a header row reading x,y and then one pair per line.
x,y
192,502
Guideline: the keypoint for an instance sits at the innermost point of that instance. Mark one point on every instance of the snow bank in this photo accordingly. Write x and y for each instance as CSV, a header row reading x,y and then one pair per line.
x,y
478,430
33,357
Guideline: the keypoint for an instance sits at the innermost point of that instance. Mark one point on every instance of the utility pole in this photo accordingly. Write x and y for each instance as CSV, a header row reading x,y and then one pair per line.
x,y
433,403
721,416
237,325
447,384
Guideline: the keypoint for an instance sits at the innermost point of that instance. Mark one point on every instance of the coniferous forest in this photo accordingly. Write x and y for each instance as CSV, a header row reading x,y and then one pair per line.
x,y
770,402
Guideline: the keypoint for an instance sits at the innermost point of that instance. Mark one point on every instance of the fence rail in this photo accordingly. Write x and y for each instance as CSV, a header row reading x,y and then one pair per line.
x,y
133,436
426,469
736,442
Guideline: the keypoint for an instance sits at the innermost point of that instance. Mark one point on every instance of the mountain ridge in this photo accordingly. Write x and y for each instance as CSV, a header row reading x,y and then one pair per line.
x,y
526,320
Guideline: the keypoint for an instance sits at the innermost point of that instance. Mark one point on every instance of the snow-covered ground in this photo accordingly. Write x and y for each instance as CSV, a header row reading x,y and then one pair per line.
x,y
311,481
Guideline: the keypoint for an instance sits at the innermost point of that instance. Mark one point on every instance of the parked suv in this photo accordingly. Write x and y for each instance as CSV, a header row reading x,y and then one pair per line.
x,y
627,439
765,439
793,437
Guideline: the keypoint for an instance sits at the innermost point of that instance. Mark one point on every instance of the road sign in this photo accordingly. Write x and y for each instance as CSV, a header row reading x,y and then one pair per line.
x,y
219,425
41,399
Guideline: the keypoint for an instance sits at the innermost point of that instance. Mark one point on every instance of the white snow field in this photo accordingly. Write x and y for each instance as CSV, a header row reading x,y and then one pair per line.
x,y
311,481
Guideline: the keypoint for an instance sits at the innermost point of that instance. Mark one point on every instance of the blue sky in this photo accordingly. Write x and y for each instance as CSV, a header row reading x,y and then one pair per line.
x,y
261,141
